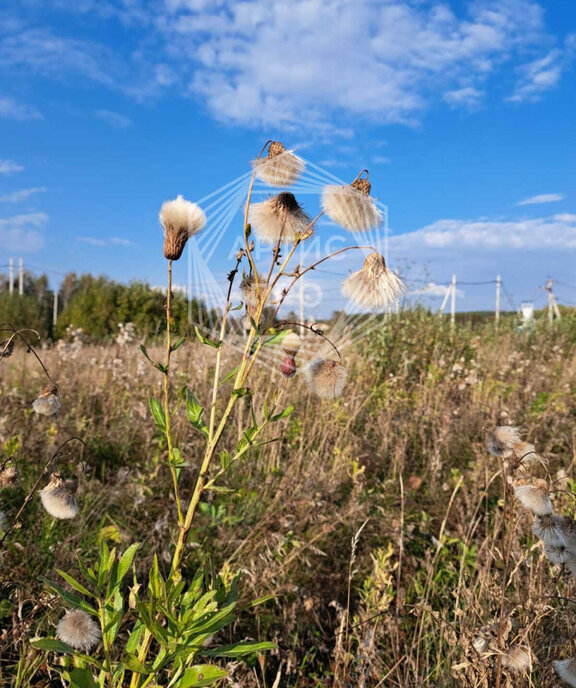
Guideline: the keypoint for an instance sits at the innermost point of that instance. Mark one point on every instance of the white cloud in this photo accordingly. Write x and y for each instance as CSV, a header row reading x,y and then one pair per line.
x,y
544,73
10,109
20,195
317,64
464,97
18,233
9,166
93,241
114,119
565,217
435,290
542,198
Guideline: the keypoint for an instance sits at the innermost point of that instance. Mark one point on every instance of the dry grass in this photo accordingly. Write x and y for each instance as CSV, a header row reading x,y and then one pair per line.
x,y
440,557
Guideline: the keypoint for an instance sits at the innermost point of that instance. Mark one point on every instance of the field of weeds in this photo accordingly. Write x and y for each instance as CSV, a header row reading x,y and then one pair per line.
x,y
383,537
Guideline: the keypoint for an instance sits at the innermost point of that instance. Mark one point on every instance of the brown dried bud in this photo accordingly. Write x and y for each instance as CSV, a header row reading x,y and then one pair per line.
x,y
275,148
288,367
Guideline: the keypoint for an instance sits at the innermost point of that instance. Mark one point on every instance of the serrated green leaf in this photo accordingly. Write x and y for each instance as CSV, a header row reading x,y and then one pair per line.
x,y
158,413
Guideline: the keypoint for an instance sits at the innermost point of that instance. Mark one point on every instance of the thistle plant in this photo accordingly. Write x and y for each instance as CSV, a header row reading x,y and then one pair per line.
x,y
162,629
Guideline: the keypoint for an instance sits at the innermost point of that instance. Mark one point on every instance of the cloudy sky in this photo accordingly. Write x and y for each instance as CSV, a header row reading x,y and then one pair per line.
x,y
463,110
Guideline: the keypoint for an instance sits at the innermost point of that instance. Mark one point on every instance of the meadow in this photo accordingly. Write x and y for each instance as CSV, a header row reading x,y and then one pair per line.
x,y
377,533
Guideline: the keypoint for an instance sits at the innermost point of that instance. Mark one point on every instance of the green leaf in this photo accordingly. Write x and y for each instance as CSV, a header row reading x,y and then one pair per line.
x,y
52,645
158,413
230,375
72,598
277,337
205,340
201,675
220,489
285,413
241,391
225,459
179,343
126,561
239,649
134,664
156,364
81,678
194,412
74,583
156,582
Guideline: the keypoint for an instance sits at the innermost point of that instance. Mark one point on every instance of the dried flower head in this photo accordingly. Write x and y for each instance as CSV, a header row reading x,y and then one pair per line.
x,y
502,441
59,497
9,476
481,644
180,220
6,348
279,219
566,669
351,205
288,367
550,530
47,403
556,555
526,454
252,292
280,167
374,286
78,629
325,377
518,659
534,496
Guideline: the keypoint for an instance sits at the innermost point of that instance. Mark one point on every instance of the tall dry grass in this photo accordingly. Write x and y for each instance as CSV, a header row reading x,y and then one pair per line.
x,y
378,522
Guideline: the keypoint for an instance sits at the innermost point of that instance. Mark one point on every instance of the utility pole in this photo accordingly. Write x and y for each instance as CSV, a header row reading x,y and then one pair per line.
x,y
453,302
553,310
20,277
55,308
498,296
11,277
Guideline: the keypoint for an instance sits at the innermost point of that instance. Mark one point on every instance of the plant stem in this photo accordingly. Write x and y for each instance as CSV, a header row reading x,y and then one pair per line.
x,y
168,432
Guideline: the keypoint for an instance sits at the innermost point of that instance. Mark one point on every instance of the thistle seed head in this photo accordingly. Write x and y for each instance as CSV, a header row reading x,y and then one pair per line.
x,y
279,219
566,669
534,496
78,629
280,167
556,555
6,348
549,529
326,378
9,476
59,497
180,220
47,403
518,659
502,440
351,206
374,286
291,343
288,367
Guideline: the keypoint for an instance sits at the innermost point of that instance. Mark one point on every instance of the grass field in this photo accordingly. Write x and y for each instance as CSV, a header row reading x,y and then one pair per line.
x,y
384,532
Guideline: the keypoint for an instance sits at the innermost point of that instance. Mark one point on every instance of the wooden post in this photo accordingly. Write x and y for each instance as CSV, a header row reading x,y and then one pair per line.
x,y
11,277
55,308
498,297
20,277
453,302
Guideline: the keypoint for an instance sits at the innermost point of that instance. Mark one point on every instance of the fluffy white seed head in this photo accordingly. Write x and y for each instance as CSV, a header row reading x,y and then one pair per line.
x,y
325,377
481,644
47,403
291,343
518,659
59,497
9,476
534,496
502,441
556,555
526,453
374,286
279,219
78,629
550,530
180,220
566,669
350,208
280,167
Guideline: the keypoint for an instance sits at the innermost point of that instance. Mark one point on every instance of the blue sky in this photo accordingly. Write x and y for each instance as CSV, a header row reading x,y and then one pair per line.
x,y
463,111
